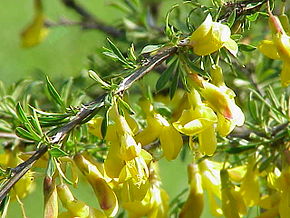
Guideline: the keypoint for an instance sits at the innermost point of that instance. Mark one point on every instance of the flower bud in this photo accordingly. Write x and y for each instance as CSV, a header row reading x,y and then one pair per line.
x,y
74,206
194,204
106,196
50,198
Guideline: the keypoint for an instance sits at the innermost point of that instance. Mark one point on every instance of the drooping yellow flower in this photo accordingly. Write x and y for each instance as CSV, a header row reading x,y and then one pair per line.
x,y
193,206
211,36
277,203
158,127
155,202
211,182
278,48
221,99
199,120
232,202
106,196
250,189
36,31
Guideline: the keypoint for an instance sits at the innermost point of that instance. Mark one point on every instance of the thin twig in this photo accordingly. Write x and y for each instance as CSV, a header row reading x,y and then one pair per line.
x,y
83,114
91,22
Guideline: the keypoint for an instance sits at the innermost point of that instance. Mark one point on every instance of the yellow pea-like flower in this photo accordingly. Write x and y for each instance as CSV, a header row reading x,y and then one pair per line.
x,y
193,206
268,48
114,163
210,176
95,128
211,36
154,204
171,142
36,32
250,189
158,127
199,120
237,174
278,48
232,202
106,196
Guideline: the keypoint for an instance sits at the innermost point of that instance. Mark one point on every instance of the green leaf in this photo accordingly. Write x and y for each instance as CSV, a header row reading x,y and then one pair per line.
x,y
236,150
36,124
93,75
174,84
247,48
126,106
4,206
53,93
117,52
165,76
57,152
252,17
232,18
50,170
169,31
195,68
131,53
150,48
265,163
22,133
104,124
62,174
162,109
21,114
66,90
253,107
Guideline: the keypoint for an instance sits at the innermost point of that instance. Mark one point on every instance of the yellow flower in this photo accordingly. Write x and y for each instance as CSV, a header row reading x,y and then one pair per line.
x,y
199,120
250,185
210,175
278,48
211,36
232,202
114,163
74,206
158,127
25,184
194,204
277,202
221,100
106,196
154,204
36,31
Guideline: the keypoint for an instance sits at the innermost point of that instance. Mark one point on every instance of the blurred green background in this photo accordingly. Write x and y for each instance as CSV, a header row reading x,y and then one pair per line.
x,y
62,54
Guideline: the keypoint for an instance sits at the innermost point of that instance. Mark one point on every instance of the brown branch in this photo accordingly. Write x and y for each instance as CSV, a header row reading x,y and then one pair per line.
x,y
91,22
85,112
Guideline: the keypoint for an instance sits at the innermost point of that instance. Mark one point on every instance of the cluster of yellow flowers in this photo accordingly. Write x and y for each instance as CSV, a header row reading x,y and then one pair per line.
x,y
237,189
129,175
